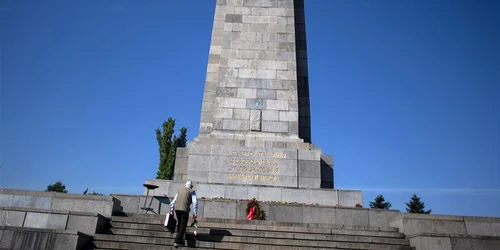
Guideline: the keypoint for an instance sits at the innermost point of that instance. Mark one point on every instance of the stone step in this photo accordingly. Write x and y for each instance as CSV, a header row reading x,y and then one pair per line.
x,y
113,245
135,246
231,227
158,217
251,226
227,242
217,233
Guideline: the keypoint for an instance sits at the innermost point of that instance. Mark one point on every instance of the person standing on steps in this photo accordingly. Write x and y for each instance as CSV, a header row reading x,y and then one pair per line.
x,y
181,205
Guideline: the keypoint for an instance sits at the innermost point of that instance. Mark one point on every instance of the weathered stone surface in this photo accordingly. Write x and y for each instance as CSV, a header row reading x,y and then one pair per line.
x,y
308,168
255,120
215,209
430,242
352,216
286,213
350,198
270,126
36,220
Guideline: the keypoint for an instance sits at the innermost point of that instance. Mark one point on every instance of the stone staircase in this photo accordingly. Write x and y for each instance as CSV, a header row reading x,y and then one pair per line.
x,y
140,231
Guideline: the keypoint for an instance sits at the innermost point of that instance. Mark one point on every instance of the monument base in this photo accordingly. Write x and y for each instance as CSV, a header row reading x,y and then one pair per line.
x,y
327,197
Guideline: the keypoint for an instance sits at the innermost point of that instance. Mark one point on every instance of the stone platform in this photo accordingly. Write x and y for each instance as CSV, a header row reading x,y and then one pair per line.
x,y
327,197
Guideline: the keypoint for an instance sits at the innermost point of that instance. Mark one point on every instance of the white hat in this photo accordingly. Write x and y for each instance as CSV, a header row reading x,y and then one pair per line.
x,y
189,184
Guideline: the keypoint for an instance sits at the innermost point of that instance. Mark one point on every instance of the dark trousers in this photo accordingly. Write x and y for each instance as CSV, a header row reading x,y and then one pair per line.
x,y
182,220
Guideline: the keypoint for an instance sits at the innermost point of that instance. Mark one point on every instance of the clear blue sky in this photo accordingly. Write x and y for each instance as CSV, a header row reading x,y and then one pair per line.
x,y
404,94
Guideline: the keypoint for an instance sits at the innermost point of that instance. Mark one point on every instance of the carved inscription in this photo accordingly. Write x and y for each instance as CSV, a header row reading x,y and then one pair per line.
x,y
253,168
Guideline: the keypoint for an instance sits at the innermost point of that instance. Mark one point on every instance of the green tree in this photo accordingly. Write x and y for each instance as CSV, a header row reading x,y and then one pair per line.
x,y
57,187
168,147
416,206
380,202
93,192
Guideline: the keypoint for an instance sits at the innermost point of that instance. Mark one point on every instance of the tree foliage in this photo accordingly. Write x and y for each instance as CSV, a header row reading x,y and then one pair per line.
x,y
416,206
168,144
93,192
57,187
380,202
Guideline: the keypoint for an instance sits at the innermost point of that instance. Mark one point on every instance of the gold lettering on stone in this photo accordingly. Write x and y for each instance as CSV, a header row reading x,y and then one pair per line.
x,y
253,177
253,168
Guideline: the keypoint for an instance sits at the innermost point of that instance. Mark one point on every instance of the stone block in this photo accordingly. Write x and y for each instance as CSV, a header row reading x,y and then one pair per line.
x,y
381,217
293,128
269,194
181,165
267,55
255,120
276,28
268,19
199,163
85,224
321,215
199,149
309,155
270,126
290,195
256,83
260,11
256,104
286,213
102,207
276,105
287,95
269,37
430,242
130,204
246,93
241,114
266,73
285,74
223,113
270,115
242,10
286,4
324,197
277,11
237,103
247,73
198,176
309,169
206,117
220,209
449,227
28,201
289,116
282,74
12,218
233,18
236,192
277,65
350,198
250,19
275,144
209,190
483,228
309,182
352,216
36,220
231,124
486,244
282,85
268,94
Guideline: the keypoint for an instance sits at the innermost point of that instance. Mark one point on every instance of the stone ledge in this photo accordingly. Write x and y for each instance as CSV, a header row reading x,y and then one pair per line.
x,y
51,211
54,194
45,230
453,236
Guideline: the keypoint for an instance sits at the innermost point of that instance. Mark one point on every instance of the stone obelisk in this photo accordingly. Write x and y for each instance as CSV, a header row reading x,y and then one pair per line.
x,y
255,126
